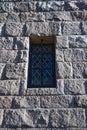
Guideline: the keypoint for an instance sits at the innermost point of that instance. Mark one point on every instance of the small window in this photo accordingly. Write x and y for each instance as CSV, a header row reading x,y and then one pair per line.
x,y
41,72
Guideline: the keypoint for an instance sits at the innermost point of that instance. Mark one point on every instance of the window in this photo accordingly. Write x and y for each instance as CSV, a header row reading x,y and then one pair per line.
x,y
41,62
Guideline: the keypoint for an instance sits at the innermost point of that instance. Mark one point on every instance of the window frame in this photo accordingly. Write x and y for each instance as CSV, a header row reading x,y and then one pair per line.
x,y
53,68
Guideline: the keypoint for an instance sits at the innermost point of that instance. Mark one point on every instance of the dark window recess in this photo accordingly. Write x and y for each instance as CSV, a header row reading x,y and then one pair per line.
x,y
41,64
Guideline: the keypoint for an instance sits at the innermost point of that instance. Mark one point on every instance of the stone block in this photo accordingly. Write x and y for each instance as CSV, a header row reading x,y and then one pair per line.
x,y
55,6
21,43
59,55
61,42
2,67
80,70
1,117
59,101
43,91
63,70
74,87
56,28
81,101
60,86
9,87
23,6
79,15
13,17
5,102
13,56
58,16
77,41
2,29
71,28
37,118
26,102
78,55
67,55
6,43
32,17
28,118
38,28
16,71
64,118
59,118
77,118
13,29
84,28
13,118
75,5
3,17
6,7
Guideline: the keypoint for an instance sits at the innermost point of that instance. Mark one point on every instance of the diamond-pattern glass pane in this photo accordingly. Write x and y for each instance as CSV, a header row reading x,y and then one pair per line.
x,y
47,60
47,77
36,77
41,66
35,49
47,48
36,61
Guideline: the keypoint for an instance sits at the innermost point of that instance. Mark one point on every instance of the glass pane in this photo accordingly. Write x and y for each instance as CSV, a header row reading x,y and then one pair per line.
x,y
36,77
47,61
36,61
47,77
36,49
47,48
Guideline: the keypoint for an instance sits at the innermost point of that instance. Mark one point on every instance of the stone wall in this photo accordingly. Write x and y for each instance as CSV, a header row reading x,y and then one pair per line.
x,y
60,108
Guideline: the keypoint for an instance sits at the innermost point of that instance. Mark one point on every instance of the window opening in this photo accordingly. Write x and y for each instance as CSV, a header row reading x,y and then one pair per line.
x,y
41,71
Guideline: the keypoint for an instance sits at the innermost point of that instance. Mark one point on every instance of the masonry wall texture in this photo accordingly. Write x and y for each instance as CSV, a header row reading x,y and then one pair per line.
x,y
60,108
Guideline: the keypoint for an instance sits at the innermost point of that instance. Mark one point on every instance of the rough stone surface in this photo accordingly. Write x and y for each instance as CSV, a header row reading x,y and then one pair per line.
x,y
9,87
63,107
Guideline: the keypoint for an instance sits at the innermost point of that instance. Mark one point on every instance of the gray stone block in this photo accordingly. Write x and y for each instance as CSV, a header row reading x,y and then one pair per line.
x,y
13,56
60,86
77,41
23,6
76,5
63,70
6,7
6,43
80,70
13,17
56,101
71,28
9,87
77,118
1,117
67,55
61,42
59,118
74,87
55,5
58,16
59,55
32,17
26,102
13,29
64,118
84,28
2,67
13,118
5,102
16,71
81,101
21,43
79,15
3,17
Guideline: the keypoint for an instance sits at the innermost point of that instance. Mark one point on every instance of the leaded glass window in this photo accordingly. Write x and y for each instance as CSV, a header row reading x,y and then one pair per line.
x,y
41,65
